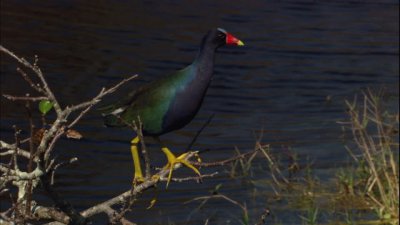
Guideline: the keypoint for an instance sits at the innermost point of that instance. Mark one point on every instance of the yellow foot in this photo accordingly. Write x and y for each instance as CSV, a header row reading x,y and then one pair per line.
x,y
172,160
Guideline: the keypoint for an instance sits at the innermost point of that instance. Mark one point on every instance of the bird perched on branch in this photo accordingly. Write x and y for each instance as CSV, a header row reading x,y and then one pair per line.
x,y
170,103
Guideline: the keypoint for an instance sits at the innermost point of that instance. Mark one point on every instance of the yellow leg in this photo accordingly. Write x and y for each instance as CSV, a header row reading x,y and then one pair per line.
x,y
172,160
138,177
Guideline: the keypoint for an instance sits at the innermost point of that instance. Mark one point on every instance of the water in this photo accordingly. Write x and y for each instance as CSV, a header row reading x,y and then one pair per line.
x,y
297,55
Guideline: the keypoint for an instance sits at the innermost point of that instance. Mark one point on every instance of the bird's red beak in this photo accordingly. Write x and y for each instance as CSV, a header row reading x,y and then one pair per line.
x,y
232,40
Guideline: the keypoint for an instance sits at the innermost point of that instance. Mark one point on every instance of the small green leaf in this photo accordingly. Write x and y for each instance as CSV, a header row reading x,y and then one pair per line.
x,y
45,106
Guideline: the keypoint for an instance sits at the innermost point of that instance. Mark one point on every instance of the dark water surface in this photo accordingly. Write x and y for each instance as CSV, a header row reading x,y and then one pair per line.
x,y
296,56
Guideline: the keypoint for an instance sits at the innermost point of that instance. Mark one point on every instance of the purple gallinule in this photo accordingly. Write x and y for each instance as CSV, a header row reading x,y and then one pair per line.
x,y
170,103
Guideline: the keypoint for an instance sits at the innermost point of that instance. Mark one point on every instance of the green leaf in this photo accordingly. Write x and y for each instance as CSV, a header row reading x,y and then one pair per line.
x,y
45,106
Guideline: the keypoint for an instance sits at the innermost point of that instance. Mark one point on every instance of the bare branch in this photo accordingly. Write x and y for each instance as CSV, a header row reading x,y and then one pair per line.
x,y
51,213
30,82
116,217
53,170
9,150
196,178
45,165
24,98
148,183
50,147
225,161
40,75
89,104
20,175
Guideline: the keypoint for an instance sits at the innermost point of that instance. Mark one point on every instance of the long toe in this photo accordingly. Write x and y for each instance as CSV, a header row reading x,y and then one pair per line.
x,y
189,165
172,160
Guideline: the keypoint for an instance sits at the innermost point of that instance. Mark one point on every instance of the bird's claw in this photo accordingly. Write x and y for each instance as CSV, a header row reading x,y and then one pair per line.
x,y
173,160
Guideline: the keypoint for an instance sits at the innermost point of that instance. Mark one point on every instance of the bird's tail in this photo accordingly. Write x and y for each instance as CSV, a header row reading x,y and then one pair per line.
x,y
112,116
111,120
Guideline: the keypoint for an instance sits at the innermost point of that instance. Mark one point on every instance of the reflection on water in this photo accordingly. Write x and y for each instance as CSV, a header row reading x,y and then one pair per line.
x,y
301,60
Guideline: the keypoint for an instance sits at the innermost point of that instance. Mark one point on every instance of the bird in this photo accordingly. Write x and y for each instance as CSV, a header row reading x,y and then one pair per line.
x,y
169,103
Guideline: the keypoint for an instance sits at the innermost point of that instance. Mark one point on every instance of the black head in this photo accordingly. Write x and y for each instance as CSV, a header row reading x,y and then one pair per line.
x,y
219,37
